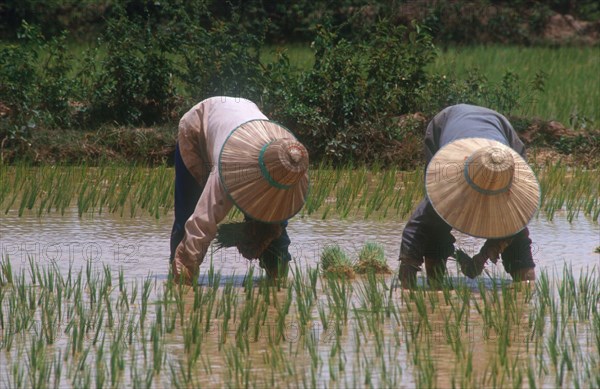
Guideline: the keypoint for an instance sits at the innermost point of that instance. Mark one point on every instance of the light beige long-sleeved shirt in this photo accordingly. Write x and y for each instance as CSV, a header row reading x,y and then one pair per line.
x,y
203,131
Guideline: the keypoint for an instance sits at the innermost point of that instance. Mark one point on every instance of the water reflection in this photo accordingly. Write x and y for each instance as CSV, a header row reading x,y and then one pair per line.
x,y
140,245
428,338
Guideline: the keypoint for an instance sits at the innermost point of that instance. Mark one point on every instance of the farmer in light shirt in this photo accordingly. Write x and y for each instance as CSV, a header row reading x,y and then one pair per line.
x,y
477,182
228,153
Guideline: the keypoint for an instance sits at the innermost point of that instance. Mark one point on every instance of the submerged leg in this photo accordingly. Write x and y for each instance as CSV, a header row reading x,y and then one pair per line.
x,y
517,258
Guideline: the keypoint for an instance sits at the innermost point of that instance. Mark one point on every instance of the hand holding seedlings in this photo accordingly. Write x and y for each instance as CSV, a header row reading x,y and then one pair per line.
x,y
473,267
250,237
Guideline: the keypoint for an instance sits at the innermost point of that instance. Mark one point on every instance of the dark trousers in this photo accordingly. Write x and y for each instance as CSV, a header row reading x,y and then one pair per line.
x,y
187,194
427,235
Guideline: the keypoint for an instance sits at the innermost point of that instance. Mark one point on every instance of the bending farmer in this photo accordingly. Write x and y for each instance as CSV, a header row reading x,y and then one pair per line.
x,y
478,182
228,153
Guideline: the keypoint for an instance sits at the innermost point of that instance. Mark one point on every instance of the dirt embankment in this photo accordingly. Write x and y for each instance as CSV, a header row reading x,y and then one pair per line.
x,y
547,142
464,22
565,29
148,146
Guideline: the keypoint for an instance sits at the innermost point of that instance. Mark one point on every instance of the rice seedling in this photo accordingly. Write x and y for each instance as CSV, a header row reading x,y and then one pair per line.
x,y
319,330
374,192
282,311
6,273
158,352
240,368
304,298
226,310
17,376
371,259
335,262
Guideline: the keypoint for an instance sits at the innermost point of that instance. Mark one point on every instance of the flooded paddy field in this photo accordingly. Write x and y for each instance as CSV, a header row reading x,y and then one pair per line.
x,y
85,298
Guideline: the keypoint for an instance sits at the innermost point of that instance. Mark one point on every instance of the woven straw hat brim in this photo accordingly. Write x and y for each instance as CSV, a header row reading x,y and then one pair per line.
x,y
245,182
478,214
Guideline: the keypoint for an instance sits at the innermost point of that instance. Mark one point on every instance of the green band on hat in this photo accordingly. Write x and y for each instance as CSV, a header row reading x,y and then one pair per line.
x,y
265,172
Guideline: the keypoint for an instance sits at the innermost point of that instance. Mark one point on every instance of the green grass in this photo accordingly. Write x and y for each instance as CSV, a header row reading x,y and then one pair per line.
x,y
301,56
572,91
130,191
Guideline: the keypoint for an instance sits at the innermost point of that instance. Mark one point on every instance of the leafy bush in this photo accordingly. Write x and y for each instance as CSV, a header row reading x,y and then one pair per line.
x,y
135,81
19,73
458,21
35,86
221,60
507,96
350,97
52,16
356,103
56,85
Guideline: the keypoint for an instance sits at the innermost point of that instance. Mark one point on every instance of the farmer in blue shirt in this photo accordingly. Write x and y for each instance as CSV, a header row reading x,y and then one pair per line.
x,y
477,182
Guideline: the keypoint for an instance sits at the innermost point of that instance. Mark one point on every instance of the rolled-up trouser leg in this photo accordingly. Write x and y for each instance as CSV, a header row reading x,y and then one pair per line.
x,y
439,244
187,193
517,255
425,235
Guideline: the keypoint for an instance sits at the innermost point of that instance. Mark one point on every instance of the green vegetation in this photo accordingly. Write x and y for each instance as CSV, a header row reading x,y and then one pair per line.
x,y
335,262
95,327
479,70
343,94
371,259
567,94
573,190
343,193
88,85
458,21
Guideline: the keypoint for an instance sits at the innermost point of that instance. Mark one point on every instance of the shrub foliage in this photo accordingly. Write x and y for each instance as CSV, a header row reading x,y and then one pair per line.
x,y
153,60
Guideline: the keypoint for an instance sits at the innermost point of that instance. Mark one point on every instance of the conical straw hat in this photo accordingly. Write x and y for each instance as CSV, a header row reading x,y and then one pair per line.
x,y
264,170
482,188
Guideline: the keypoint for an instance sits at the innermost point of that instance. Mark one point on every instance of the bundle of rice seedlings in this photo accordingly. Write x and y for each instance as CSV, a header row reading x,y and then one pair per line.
x,y
251,237
468,266
335,262
371,259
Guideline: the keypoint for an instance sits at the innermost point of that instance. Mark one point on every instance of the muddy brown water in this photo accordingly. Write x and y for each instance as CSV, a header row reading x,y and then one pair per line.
x,y
140,246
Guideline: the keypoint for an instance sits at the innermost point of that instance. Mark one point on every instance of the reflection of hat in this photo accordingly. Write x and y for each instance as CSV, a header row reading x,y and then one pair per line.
x,y
264,170
482,188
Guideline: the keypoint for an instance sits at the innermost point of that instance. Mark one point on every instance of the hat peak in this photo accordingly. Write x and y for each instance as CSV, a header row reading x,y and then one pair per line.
x,y
498,157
